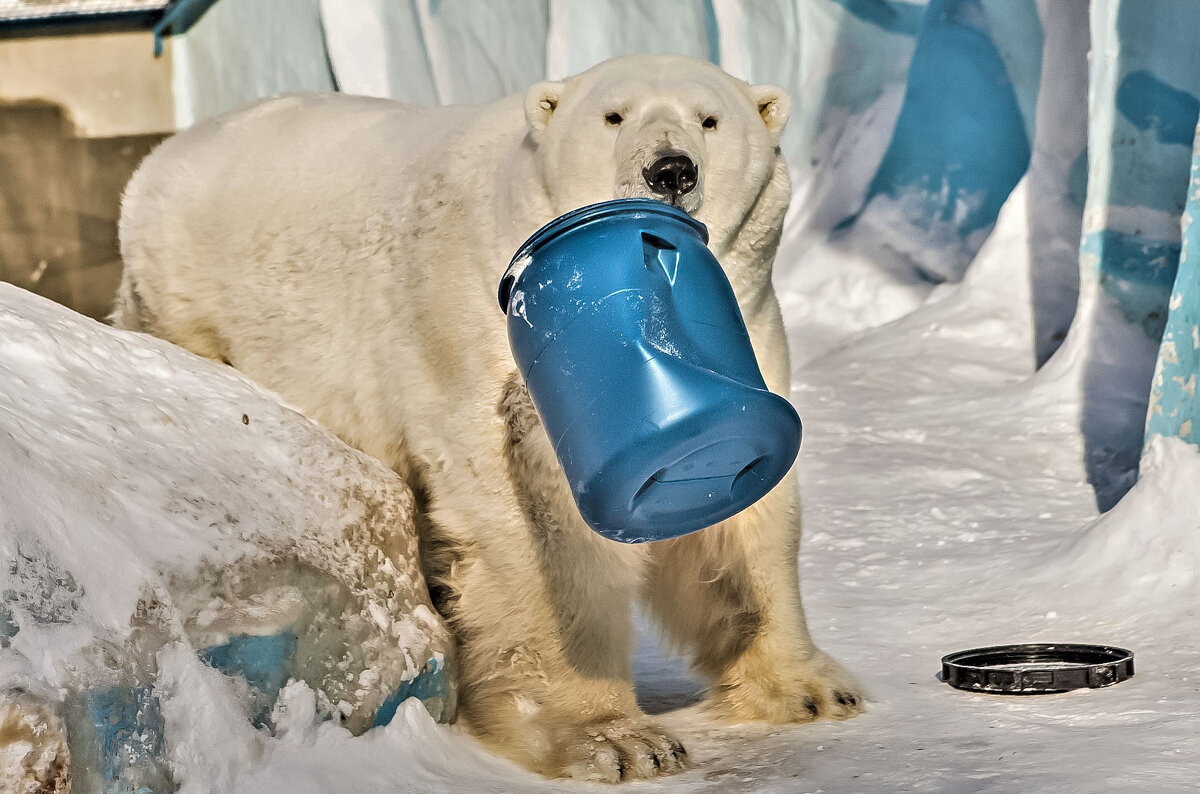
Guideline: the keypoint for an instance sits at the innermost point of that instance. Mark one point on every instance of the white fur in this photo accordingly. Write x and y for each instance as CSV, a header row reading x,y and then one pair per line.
x,y
346,251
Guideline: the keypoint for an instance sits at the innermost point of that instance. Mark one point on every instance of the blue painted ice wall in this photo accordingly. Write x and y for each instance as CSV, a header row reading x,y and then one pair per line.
x,y
1174,410
960,144
241,50
1056,183
962,141
947,136
1143,108
970,94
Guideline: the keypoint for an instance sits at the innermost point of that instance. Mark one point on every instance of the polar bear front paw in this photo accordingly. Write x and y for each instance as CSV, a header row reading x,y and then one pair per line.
x,y
797,691
611,751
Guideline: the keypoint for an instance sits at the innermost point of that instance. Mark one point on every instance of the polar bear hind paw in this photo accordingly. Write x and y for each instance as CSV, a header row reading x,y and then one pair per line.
x,y
616,750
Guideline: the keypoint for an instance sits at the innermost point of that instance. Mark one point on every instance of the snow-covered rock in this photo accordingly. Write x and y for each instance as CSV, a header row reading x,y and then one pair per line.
x,y
150,498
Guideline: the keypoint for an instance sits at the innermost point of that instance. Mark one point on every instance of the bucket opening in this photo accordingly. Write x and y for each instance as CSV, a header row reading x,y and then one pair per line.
x,y
661,253
655,241
748,476
646,486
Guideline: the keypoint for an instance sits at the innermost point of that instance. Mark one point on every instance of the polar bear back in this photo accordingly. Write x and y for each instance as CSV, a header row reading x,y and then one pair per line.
x,y
351,213
346,251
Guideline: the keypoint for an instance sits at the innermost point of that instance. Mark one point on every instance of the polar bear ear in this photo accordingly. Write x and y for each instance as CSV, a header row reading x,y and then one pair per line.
x,y
540,104
774,106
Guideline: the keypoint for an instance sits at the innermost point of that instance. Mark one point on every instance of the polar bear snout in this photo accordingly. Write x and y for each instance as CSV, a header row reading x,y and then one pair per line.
x,y
672,174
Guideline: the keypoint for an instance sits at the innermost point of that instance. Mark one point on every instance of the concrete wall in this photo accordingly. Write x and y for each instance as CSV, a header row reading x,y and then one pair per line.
x,y
110,83
77,114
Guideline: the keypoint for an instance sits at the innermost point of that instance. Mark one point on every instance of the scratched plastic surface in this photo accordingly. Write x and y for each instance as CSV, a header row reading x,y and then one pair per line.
x,y
635,353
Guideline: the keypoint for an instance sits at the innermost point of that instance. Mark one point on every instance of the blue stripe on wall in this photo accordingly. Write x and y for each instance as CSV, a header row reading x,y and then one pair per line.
x,y
1137,273
1174,410
901,18
960,141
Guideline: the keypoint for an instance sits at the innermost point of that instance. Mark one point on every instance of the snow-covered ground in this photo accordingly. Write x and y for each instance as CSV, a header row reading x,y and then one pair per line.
x,y
944,506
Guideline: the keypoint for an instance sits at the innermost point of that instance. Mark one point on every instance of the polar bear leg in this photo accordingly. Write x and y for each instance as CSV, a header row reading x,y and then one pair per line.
x,y
731,595
544,662
540,605
184,325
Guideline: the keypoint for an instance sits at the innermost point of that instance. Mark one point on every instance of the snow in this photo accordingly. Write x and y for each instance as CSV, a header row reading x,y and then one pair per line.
x,y
152,498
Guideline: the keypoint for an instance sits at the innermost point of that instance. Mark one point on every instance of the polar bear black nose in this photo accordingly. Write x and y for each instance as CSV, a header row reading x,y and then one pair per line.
x,y
672,174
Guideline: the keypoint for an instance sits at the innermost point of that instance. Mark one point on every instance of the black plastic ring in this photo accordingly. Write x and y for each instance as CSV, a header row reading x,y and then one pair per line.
x,y
1036,669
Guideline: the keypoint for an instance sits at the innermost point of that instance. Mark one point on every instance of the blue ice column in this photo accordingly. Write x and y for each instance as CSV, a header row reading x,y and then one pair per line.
x,y
1143,111
1174,410
842,62
436,51
1056,186
241,50
962,141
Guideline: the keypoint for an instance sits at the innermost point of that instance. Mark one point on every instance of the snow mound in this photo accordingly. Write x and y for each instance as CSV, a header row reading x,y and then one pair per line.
x,y
149,498
1145,552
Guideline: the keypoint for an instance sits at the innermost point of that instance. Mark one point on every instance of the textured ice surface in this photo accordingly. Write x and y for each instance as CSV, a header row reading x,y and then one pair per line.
x,y
150,497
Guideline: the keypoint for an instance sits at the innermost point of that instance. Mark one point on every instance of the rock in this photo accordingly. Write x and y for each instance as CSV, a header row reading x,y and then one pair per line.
x,y
148,496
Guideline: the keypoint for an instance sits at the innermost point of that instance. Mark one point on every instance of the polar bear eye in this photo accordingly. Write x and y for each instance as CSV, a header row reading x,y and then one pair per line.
x,y
613,118
709,123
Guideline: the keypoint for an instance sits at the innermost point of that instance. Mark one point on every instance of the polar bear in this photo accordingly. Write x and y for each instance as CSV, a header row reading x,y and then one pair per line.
x,y
345,252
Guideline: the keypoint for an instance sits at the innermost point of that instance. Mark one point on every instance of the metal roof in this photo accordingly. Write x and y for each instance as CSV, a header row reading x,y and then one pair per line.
x,y
48,11
49,17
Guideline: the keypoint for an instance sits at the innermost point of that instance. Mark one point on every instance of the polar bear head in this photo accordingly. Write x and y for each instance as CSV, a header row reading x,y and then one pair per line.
x,y
673,128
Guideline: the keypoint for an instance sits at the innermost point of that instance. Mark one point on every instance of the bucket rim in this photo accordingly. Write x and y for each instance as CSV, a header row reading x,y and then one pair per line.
x,y
634,207
631,207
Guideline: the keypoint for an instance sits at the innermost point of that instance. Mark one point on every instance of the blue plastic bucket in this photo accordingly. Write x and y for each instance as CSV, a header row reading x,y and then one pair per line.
x,y
635,353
